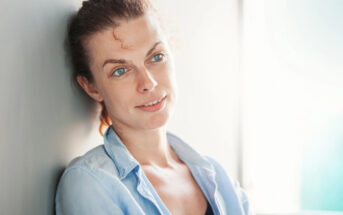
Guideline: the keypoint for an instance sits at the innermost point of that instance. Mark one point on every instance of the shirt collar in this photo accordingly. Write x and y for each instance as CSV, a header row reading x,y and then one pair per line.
x,y
125,162
188,154
118,152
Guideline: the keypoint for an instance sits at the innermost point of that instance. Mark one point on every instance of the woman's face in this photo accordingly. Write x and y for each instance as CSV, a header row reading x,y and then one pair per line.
x,y
132,66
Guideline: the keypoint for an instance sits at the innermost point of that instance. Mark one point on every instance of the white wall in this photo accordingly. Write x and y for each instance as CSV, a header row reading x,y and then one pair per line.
x,y
41,117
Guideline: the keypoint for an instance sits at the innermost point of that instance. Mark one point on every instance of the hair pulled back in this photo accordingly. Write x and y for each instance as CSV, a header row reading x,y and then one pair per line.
x,y
92,17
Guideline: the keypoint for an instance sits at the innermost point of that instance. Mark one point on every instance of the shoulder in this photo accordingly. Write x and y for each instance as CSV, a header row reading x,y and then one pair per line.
x,y
219,169
84,177
94,165
222,177
230,187
95,159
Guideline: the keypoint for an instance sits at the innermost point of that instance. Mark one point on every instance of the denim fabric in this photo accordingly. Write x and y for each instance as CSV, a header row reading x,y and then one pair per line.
x,y
109,180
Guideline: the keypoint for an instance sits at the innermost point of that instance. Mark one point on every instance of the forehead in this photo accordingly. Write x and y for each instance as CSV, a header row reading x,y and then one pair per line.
x,y
131,36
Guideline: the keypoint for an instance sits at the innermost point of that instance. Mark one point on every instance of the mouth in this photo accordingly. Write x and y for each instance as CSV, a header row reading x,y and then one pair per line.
x,y
152,106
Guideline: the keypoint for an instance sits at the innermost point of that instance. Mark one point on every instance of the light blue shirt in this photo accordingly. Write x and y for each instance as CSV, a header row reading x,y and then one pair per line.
x,y
108,180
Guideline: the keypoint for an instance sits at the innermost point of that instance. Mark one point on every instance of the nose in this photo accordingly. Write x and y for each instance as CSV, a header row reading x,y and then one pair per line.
x,y
146,81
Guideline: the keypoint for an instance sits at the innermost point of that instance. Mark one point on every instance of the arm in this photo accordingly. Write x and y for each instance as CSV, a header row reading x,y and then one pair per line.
x,y
81,192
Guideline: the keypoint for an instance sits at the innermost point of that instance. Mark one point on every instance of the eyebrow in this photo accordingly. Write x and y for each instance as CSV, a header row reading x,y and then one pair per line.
x,y
123,61
120,61
153,48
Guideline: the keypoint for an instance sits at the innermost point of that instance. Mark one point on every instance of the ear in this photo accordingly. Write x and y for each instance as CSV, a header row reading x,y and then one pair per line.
x,y
90,88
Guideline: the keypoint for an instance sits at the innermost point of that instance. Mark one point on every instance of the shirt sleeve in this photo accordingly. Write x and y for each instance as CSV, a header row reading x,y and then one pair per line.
x,y
243,198
81,192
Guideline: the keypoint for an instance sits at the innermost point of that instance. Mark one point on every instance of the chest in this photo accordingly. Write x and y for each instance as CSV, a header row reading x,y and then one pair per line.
x,y
178,190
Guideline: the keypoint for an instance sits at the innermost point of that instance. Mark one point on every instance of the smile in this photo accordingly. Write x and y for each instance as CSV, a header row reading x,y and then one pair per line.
x,y
154,102
153,106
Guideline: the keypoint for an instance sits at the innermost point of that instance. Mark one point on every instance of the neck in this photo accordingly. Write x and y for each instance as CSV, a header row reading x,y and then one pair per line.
x,y
149,147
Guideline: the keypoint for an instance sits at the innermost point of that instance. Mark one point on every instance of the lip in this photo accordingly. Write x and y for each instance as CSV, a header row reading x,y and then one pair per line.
x,y
153,108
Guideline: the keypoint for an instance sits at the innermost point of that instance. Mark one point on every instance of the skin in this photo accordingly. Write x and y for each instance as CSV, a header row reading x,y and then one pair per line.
x,y
148,75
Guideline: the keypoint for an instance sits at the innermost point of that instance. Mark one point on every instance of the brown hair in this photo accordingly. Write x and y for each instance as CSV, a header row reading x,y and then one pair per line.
x,y
92,17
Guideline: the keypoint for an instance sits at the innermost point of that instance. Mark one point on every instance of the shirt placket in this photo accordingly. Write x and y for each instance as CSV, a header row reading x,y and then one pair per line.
x,y
206,180
145,189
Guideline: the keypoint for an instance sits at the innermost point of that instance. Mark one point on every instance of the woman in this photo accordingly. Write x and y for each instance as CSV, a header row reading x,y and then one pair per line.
x,y
122,60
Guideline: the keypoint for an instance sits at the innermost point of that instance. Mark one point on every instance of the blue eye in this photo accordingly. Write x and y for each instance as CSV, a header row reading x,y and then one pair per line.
x,y
157,57
120,71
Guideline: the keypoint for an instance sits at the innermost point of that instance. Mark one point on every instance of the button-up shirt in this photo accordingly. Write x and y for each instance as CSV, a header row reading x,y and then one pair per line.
x,y
109,180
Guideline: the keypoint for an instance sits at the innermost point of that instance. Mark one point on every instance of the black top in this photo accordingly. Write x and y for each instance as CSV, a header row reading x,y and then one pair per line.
x,y
209,210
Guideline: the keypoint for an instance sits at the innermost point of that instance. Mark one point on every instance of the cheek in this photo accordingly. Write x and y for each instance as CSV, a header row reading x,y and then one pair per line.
x,y
114,96
172,81
166,75
119,96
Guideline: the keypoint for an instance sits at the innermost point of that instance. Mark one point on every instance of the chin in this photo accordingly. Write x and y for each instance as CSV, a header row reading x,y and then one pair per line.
x,y
158,121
